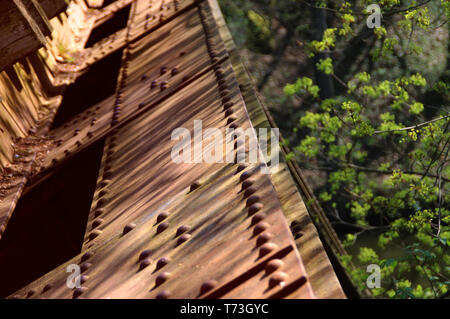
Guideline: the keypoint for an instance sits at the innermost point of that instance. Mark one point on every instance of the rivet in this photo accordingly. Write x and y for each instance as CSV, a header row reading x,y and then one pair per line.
x,y
98,212
161,217
296,228
47,287
83,278
267,248
97,222
78,292
182,53
154,84
231,119
101,202
128,228
249,191
85,266
143,78
226,99
145,263
102,192
194,186
227,105
182,229
253,199
273,265
163,70
240,168
228,112
145,254
245,175
207,286
253,209
162,262
247,183
162,227
141,105
183,238
86,256
298,235
185,78
162,278
105,183
165,294
31,293
224,93
278,278
94,234
263,238
260,227
174,71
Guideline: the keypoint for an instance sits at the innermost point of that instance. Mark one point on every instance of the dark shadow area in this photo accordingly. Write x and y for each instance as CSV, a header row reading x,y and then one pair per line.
x,y
89,89
107,3
118,22
49,223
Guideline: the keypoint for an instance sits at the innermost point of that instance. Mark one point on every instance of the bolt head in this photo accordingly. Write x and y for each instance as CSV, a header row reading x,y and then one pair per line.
x,y
267,248
129,228
162,278
162,227
273,265
208,286
264,238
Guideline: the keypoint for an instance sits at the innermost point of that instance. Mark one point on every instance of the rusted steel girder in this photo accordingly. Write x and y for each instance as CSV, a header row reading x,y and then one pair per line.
x,y
155,225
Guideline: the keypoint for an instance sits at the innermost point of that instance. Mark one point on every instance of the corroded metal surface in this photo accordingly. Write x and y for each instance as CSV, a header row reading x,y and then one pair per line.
x,y
155,225
320,271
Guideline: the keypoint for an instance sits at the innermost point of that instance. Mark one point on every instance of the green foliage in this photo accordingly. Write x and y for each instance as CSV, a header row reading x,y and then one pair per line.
x,y
381,142
383,169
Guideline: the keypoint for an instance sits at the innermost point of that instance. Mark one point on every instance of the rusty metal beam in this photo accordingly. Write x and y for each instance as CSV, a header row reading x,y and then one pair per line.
x,y
154,224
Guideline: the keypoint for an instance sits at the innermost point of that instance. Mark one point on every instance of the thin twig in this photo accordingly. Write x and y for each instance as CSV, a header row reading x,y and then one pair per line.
x,y
414,126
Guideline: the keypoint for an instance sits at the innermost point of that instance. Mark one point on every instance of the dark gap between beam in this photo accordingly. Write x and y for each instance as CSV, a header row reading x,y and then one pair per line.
x,y
118,22
107,3
89,89
49,223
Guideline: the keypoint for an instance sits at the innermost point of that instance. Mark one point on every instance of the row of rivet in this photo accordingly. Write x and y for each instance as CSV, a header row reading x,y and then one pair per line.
x,y
260,228
254,206
102,186
182,235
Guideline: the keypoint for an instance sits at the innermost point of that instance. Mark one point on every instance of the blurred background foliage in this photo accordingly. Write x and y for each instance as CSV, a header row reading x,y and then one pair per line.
x,y
365,112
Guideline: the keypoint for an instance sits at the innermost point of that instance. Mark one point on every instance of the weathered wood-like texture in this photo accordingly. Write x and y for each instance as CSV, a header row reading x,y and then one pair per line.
x,y
154,224
17,37
150,230
322,277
